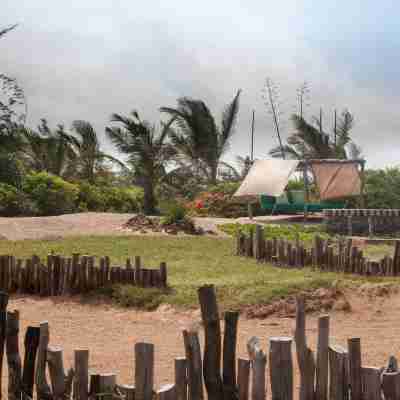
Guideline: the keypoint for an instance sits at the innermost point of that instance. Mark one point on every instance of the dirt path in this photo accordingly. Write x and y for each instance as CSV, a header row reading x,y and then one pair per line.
x,y
81,224
110,332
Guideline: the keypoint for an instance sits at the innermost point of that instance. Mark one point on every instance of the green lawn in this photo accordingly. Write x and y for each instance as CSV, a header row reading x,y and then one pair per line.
x,y
192,261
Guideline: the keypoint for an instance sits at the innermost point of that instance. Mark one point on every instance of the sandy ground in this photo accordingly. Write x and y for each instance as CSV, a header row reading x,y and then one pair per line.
x,y
110,332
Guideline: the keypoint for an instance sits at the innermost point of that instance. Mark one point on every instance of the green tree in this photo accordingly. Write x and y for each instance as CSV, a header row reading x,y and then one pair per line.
x,y
199,141
310,141
90,158
147,150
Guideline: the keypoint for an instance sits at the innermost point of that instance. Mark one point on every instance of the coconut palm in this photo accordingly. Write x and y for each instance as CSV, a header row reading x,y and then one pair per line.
x,y
147,150
196,136
86,145
310,141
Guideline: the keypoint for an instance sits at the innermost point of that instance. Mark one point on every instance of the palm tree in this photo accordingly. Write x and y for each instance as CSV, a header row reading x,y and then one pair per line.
x,y
49,150
310,141
87,149
200,143
148,151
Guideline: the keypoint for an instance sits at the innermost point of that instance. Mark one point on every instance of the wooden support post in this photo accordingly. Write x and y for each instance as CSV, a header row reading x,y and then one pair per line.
x,y
305,357
81,380
259,362
391,385
31,346
229,355
3,330
128,391
243,379
181,378
321,387
371,378
56,372
354,345
258,243
13,357
144,371
163,275
42,387
281,368
107,384
212,346
195,373
338,389
138,271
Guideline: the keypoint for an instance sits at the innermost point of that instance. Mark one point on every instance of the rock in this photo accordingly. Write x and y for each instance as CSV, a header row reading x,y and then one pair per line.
x,y
2,237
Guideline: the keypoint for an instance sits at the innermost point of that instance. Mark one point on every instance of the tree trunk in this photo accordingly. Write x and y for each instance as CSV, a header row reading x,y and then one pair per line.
x,y
149,201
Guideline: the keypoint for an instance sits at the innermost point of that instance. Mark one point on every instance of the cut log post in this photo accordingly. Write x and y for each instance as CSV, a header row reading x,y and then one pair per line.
x,y
42,387
338,389
391,385
259,243
163,275
181,378
212,346
354,345
13,357
243,379
321,386
281,368
229,355
371,382
3,330
305,357
81,380
31,346
195,373
128,391
144,371
56,371
258,362
138,272
167,392
107,384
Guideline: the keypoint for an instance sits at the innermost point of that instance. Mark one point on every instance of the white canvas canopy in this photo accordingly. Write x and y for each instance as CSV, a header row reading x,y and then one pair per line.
x,y
267,177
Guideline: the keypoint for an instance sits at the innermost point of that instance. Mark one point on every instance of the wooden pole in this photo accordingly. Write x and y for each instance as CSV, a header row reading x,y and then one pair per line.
x,y
354,345
181,378
3,330
193,356
243,379
371,378
144,371
212,346
281,368
337,388
167,392
42,387
81,380
229,355
31,346
13,357
321,387
56,372
258,362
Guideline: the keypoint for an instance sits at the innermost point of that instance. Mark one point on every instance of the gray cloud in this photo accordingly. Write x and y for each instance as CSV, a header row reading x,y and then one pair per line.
x,y
87,59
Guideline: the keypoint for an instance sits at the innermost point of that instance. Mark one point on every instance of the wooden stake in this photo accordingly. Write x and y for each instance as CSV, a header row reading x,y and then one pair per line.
x,y
144,371
13,357
193,356
243,378
81,375
229,355
31,346
181,378
321,387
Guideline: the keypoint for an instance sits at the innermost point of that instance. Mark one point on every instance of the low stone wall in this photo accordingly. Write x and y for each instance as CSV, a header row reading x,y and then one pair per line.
x,y
363,222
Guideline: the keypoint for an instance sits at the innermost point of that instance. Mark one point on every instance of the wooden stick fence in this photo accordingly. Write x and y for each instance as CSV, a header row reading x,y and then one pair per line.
x,y
333,372
76,275
324,255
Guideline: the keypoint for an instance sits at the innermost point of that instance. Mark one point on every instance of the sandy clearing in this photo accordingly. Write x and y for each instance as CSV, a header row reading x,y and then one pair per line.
x,y
110,332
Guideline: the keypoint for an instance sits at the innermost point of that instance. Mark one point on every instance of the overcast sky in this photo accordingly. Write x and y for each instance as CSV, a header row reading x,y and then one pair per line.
x,y
87,59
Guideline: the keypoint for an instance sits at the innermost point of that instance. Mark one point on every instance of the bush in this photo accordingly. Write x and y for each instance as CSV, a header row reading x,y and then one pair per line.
x,y
11,170
51,194
14,202
173,213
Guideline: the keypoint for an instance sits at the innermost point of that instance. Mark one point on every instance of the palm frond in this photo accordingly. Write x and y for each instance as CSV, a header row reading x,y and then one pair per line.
x,y
229,117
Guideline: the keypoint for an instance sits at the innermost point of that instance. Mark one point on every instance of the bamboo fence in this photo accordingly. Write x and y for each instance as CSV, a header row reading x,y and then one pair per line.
x,y
331,372
59,275
324,255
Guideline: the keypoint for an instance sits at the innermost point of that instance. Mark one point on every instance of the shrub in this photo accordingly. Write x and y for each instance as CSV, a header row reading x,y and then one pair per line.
x,y
51,194
124,200
173,212
14,202
11,170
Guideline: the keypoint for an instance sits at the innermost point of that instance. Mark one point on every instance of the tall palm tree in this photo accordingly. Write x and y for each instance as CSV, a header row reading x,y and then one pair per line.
x,y
310,141
197,138
49,150
87,148
147,149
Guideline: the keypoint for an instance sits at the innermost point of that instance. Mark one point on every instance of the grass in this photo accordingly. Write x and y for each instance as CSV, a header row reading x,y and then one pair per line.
x,y
192,261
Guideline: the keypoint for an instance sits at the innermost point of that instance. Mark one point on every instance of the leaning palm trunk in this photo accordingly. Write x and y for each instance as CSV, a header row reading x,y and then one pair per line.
x,y
149,200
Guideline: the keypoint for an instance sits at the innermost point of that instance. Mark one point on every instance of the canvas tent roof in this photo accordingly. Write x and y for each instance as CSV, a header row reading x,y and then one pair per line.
x,y
267,177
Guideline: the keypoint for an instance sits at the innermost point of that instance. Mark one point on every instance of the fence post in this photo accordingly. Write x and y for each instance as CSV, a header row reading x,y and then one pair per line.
x,y
42,387
229,355
305,357
258,361
212,346
281,368
337,383
321,386
56,370
243,378
13,357
107,384
371,379
144,371
31,346
354,345
195,372
3,330
181,378
258,242
81,380
167,392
